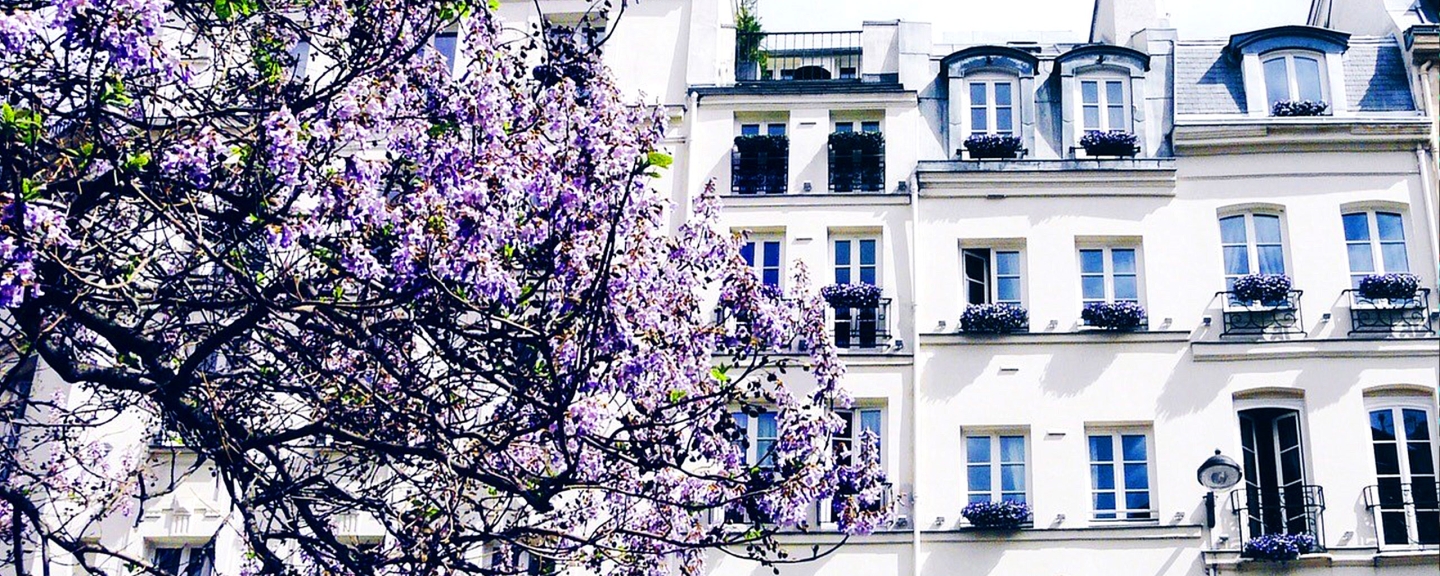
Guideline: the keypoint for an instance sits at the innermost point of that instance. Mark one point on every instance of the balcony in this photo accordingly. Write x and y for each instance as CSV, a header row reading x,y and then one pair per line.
x,y
863,327
1390,316
857,162
797,56
1293,509
760,165
1255,318
1404,515
821,515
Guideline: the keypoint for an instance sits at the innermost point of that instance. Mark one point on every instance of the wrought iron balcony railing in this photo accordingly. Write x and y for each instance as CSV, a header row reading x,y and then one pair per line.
x,y
1293,509
1405,514
759,172
1396,316
856,171
797,56
863,327
820,516
1255,318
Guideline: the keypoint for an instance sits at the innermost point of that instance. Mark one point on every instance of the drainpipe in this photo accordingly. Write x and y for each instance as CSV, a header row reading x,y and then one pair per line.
x,y
914,380
1427,174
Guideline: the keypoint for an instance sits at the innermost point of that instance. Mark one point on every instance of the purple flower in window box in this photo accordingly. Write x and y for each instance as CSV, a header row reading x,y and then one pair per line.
x,y
1005,515
993,318
1299,108
1269,289
1109,143
1391,286
851,295
1113,315
1279,547
993,146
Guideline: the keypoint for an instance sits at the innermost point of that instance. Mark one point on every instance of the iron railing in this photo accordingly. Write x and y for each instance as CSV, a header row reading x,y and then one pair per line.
x,y
1255,318
820,516
863,327
1405,514
1294,509
856,171
759,172
738,332
1391,315
797,56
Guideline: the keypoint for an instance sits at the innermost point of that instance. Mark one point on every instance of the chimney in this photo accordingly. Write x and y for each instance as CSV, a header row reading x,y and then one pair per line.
x,y
1115,21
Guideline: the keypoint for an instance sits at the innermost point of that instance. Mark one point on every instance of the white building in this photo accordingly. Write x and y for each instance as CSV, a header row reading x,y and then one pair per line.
x,y
1326,399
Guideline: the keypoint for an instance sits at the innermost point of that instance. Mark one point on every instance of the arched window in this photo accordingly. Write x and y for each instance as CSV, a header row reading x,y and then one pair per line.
x,y
1404,498
1253,242
1375,243
1294,76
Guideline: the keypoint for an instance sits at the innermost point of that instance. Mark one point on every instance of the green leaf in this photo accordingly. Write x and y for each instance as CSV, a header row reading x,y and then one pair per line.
x,y
719,374
7,113
659,159
494,5
27,190
677,395
137,161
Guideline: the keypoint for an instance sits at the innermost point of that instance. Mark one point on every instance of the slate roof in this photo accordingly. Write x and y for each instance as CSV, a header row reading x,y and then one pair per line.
x,y
1208,82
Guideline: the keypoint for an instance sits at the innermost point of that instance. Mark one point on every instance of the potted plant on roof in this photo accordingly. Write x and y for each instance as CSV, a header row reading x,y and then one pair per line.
x,y
1002,515
1289,108
750,57
993,318
1109,143
1279,547
993,146
1397,288
1267,289
1113,315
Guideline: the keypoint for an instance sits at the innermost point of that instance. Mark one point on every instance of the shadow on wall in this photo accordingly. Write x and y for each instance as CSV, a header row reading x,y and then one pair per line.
x,y
1095,557
841,563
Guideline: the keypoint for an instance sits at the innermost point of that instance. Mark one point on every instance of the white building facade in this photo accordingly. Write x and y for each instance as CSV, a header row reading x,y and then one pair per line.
x,y
1326,399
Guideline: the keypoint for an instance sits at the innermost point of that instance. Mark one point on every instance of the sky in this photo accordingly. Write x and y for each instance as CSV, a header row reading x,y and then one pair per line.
x,y
1192,18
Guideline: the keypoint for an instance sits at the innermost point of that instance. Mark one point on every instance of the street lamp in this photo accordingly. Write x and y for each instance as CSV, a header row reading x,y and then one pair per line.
x,y
1217,473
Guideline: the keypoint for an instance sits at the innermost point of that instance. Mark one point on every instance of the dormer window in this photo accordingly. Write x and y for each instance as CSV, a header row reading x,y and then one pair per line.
x,y
992,106
1101,85
992,92
1294,76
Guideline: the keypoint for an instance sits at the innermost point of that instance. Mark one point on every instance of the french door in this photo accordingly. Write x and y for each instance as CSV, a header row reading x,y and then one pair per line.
x,y
1277,498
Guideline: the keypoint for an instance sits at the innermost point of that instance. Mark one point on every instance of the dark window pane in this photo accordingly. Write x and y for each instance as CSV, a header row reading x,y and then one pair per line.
x,y
842,252
1396,532
977,93
1356,227
1134,447
1092,261
1136,476
1307,78
749,129
1102,448
1012,449
772,254
979,478
844,127
1391,226
1386,460
1089,92
870,126
1427,526
1002,93
167,560
775,129
1382,425
1102,476
1137,500
867,252
1105,501
1421,461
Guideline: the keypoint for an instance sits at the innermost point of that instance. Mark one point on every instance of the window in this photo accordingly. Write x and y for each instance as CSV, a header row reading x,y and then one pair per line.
x,y
1252,244
447,43
187,560
761,432
1120,475
1405,493
1278,497
992,276
1102,105
866,126
1368,233
992,108
1109,275
1294,77
995,467
856,261
857,421
771,129
763,254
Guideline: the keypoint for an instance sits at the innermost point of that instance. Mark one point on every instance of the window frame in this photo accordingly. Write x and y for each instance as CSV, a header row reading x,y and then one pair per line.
x,y
1108,273
1102,81
992,272
1292,79
856,426
849,126
996,492
1252,243
1120,481
990,81
1375,243
854,266
186,556
1396,405
756,244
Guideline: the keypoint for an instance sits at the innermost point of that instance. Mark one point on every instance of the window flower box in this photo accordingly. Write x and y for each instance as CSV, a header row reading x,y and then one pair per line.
x,y
1109,143
851,295
857,161
1279,547
1294,108
1389,286
993,146
1113,315
1268,289
1003,515
762,143
993,319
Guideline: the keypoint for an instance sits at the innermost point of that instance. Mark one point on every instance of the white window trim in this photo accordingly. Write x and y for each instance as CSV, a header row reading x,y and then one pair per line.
x,y
1252,244
1103,100
1293,82
1377,258
187,549
993,272
1417,402
1108,270
990,80
1122,509
854,264
995,492
758,264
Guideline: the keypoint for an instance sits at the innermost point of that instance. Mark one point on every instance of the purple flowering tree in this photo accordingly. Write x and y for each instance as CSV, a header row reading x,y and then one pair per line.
x,y
357,279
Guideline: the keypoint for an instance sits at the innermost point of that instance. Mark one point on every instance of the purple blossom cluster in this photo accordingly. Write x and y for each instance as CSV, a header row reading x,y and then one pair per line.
x,y
993,318
1268,289
1396,286
1286,108
1113,315
1279,547
860,501
1005,514
851,295
993,145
